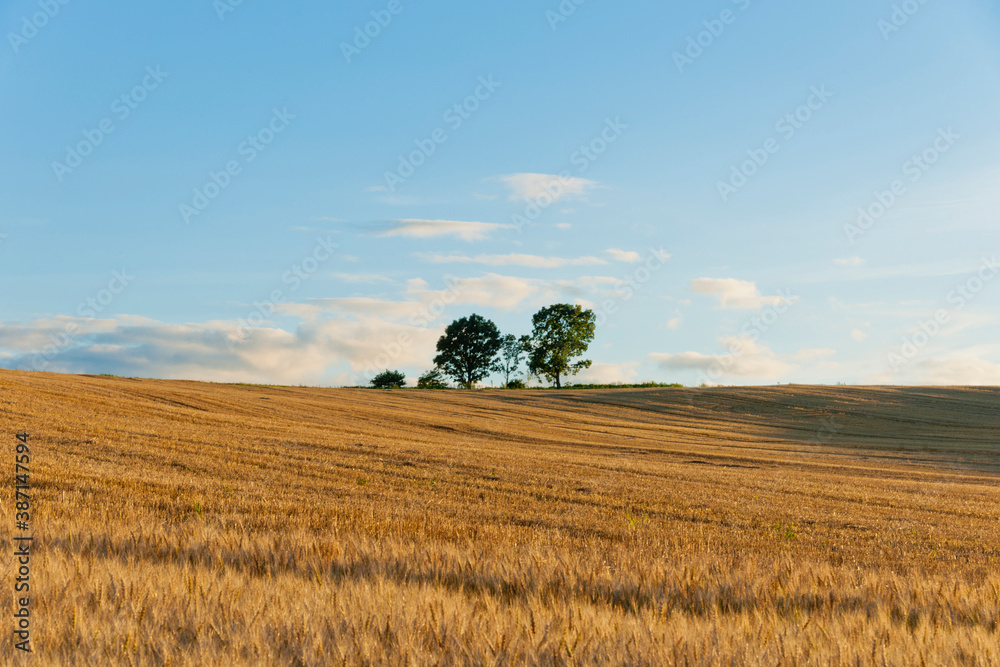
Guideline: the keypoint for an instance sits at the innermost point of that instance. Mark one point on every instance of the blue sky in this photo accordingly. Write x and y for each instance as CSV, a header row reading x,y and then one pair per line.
x,y
263,193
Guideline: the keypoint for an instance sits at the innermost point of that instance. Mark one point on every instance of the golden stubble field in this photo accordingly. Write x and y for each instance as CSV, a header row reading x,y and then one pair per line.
x,y
182,523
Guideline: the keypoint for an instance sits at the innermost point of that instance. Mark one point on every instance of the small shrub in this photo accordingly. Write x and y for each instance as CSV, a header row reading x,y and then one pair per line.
x,y
786,532
635,522
389,380
432,379
516,384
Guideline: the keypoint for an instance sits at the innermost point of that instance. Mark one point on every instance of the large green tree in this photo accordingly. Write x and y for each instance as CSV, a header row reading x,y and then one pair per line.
x,y
467,349
561,332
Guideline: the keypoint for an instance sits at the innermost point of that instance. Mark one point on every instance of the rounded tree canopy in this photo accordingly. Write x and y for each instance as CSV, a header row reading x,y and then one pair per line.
x,y
467,349
561,332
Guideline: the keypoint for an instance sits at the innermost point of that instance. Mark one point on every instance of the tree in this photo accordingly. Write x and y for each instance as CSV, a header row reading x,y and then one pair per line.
x,y
467,348
512,350
561,332
432,379
389,379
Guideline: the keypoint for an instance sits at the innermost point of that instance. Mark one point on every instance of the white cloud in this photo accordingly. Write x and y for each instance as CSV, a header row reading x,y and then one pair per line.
x,y
629,256
491,290
738,294
849,261
564,226
674,323
746,359
960,369
423,229
360,307
175,351
606,373
327,346
963,368
513,259
529,187
318,341
510,292
859,335
965,320
364,278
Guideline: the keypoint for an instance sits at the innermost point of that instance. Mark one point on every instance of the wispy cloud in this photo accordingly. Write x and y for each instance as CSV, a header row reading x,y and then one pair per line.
x,y
529,187
964,367
513,259
364,278
606,373
737,294
425,229
628,256
748,360
489,291
960,368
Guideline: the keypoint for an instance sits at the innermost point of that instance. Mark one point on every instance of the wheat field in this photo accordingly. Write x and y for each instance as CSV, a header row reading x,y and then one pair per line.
x,y
182,523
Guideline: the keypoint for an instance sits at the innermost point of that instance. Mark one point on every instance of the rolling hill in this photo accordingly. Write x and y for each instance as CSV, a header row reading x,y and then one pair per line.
x,y
190,523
